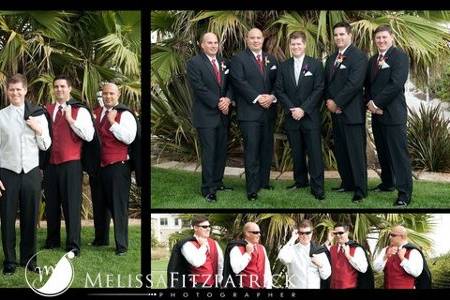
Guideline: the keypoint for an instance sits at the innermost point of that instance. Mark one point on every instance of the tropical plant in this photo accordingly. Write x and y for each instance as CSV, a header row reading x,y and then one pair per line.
x,y
428,136
420,33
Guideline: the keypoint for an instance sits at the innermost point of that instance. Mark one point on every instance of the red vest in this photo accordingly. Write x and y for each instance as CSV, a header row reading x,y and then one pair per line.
x,y
113,150
209,268
253,274
395,277
66,145
343,275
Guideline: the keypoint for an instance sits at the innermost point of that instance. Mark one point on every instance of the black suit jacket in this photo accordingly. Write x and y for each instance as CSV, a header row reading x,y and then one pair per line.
x,y
207,91
306,95
345,84
386,86
248,83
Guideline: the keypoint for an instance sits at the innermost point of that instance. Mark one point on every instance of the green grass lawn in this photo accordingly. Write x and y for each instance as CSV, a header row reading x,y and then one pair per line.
x,y
93,260
159,273
181,189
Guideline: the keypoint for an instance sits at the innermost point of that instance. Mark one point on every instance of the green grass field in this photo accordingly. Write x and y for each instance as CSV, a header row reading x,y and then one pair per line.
x,y
181,189
159,273
93,260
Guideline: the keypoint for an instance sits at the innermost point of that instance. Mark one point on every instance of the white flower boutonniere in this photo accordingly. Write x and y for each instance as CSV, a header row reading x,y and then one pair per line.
x,y
267,61
223,66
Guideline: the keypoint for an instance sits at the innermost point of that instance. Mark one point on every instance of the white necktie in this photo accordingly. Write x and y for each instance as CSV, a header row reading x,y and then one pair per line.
x,y
297,68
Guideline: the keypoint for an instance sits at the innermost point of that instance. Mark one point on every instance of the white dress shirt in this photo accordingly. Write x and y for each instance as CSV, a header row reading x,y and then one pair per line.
x,y
125,130
82,126
412,265
358,260
298,62
240,261
302,272
19,144
197,256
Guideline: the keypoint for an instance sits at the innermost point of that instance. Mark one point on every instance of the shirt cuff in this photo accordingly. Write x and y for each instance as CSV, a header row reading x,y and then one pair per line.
x,y
274,100
373,103
256,99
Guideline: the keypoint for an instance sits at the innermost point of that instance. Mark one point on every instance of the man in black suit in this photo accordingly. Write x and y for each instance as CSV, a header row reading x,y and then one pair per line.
x,y
299,88
385,93
253,74
345,72
208,76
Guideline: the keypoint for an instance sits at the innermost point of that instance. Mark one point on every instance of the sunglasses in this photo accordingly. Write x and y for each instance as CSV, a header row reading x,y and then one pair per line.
x,y
204,226
339,233
304,232
393,235
255,232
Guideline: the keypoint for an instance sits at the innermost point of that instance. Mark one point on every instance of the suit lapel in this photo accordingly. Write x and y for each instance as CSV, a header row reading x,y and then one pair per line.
x,y
301,75
210,67
332,70
291,71
252,58
387,56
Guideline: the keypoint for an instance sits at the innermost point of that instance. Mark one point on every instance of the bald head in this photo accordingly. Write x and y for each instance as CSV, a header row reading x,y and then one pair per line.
x,y
255,39
252,232
110,95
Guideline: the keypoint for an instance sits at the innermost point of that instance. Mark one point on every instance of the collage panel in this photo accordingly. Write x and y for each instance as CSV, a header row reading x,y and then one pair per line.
x,y
300,109
70,138
256,252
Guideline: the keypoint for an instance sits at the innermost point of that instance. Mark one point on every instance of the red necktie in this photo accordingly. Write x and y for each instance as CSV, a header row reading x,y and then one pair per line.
x,y
260,63
338,60
58,114
105,117
380,58
216,71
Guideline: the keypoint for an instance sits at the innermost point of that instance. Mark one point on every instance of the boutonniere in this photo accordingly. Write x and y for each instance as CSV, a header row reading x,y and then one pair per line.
x,y
382,61
223,66
305,69
340,58
267,61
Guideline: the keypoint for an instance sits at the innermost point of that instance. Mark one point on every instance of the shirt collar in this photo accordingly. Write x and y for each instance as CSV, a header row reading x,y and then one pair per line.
x,y
257,53
384,53
20,108
211,58
345,49
402,245
299,59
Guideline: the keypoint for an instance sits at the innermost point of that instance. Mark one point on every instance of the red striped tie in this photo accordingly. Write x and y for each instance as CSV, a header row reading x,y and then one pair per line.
x,y
216,71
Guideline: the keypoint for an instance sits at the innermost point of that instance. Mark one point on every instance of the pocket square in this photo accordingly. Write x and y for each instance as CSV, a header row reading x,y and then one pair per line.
x,y
308,74
226,71
273,68
385,66
342,67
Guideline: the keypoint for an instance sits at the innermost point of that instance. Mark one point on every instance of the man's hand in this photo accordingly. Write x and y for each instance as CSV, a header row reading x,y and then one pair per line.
x,y
265,100
2,188
202,241
112,116
375,110
315,260
347,251
401,253
34,124
294,236
224,104
68,114
249,248
297,113
391,250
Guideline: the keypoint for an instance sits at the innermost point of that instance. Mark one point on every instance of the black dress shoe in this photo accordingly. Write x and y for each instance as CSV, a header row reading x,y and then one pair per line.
x,y
51,246
296,186
211,197
225,188
319,196
357,198
268,187
252,196
380,188
9,270
121,252
400,203
341,190
75,251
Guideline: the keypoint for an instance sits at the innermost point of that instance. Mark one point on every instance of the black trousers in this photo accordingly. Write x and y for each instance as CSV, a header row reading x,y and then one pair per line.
x,y
115,191
102,217
22,190
214,142
258,153
307,141
63,186
350,153
392,149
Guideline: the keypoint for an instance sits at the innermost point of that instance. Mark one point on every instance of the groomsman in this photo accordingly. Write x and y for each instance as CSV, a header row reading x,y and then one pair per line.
x,y
71,127
385,92
208,76
21,138
345,72
253,74
117,127
299,88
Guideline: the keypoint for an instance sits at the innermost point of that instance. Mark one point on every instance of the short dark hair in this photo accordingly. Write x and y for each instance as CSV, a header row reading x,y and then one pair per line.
x,y
345,226
381,28
305,223
297,35
16,78
63,77
346,25
197,219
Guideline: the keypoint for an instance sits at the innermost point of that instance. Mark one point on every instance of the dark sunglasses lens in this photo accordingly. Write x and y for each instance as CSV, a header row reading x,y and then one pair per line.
x,y
339,233
205,226
255,232
304,232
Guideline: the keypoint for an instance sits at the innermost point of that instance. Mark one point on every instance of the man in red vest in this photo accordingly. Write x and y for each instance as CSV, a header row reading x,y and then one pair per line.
x,y
348,260
71,127
248,261
117,129
204,255
401,262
